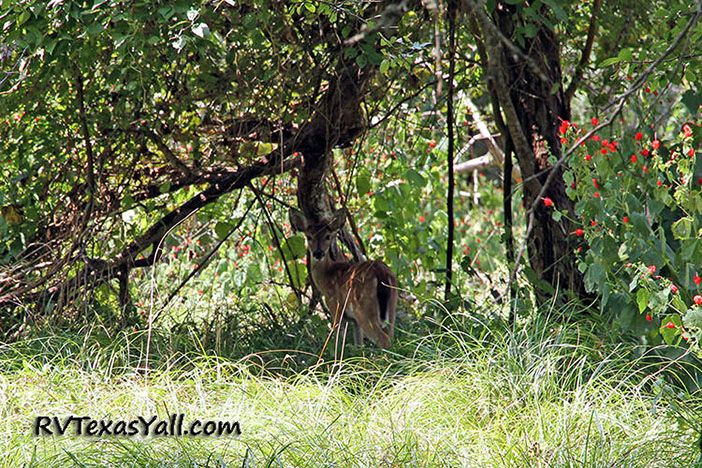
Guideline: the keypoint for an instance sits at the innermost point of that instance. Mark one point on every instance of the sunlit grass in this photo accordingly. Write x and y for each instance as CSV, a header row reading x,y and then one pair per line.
x,y
465,395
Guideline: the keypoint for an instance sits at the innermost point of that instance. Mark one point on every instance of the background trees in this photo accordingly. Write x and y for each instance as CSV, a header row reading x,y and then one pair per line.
x,y
134,130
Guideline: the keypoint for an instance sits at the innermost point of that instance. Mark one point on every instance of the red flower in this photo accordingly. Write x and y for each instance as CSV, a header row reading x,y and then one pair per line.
x,y
645,152
593,223
594,121
594,182
674,289
638,136
634,159
421,219
645,168
625,219
564,141
596,195
588,157
563,129
648,317
659,183
691,152
670,325
603,150
432,144
687,130
655,144
652,269
579,232
548,201
697,299
596,137
697,279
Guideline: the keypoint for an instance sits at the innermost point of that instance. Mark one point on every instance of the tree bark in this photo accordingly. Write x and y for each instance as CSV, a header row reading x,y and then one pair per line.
x,y
527,83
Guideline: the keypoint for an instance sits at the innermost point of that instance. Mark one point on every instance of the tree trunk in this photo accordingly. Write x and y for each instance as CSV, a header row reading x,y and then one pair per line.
x,y
532,76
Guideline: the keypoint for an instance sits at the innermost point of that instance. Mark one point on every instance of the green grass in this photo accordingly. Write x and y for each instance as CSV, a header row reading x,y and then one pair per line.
x,y
463,393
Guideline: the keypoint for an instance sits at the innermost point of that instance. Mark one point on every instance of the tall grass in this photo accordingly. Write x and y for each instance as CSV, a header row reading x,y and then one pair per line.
x,y
462,393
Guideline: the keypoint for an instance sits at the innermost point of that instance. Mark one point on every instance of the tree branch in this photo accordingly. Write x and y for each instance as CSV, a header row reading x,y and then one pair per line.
x,y
587,51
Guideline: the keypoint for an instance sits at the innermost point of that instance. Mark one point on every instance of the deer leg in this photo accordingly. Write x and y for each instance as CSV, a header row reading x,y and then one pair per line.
x,y
357,334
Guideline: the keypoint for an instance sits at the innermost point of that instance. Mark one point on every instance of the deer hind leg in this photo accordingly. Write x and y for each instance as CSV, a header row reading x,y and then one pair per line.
x,y
391,310
357,333
368,318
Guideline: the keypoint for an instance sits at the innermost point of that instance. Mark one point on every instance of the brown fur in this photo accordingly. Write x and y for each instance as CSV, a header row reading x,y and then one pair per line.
x,y
363,292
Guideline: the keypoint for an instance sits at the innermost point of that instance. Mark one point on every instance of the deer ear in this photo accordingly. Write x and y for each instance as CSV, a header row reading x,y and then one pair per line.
x,y
298,220
338,219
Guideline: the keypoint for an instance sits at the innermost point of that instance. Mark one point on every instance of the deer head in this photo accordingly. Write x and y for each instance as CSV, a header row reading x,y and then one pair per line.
x,y
319,235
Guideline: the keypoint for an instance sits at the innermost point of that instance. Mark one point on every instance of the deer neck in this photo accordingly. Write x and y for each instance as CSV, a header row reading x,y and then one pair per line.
x,y
322,274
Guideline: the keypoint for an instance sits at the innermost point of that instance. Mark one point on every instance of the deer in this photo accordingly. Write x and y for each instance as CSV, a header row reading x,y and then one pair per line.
x,y
362,293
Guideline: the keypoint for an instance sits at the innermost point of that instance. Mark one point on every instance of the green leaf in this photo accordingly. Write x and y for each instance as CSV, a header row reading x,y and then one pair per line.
x,y
165,187
222,229
384,66
642,298
415,178
692,99
693,318
669,334
201,30
191,14
294,247
363,182
625,54
594,276
682,228
557,9
610,61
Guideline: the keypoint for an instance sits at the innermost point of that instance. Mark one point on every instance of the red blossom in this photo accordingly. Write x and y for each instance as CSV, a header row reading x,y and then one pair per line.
x,y
697,299
659,183
579,232
652,269
655,144
691,152
687,130
548,201
588,157
697,279
593,223
645,152
674,289
625,219
594,121
648,317
670,325
596,194
634,159
638,136
594,182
